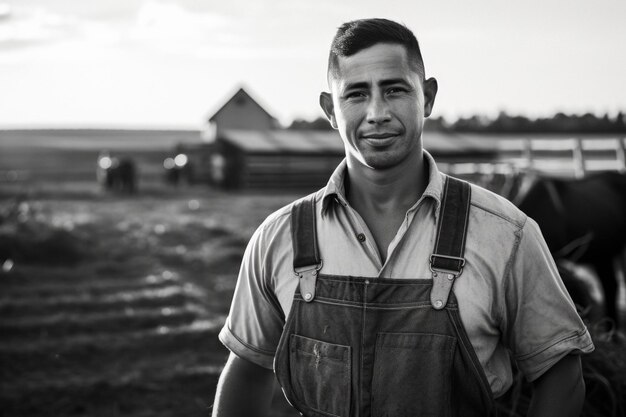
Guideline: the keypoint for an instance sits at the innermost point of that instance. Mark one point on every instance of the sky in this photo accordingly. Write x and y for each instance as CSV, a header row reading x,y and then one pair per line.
x,y
172,63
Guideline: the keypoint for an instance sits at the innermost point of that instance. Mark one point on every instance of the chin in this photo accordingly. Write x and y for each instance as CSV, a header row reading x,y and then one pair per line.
x,y
382,162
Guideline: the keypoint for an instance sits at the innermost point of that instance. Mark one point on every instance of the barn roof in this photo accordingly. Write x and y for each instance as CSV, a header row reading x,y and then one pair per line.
x,y
241,93
310,141
286,141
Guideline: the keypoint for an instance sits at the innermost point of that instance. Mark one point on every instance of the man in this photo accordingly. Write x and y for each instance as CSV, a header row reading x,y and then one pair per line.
x,y
396,290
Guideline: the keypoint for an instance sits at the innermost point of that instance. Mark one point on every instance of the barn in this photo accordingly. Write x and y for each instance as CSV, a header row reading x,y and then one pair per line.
x,y
241,112
275,158
244,147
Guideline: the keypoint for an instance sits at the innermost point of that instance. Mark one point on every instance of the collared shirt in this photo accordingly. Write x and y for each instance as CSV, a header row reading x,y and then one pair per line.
x,y
510,296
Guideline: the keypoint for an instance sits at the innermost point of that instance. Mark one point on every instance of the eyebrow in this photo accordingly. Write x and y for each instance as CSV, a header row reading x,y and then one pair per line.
x,y
393,81
384,83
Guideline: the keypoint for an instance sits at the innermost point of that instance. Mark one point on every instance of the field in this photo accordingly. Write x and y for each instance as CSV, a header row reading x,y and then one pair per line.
x,y
110,304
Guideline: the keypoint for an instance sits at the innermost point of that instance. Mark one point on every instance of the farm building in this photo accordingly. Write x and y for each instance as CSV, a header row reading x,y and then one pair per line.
x,y
241,111
244,148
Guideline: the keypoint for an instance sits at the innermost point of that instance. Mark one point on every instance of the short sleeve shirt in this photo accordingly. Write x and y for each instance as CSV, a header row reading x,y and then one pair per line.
x,y
511,298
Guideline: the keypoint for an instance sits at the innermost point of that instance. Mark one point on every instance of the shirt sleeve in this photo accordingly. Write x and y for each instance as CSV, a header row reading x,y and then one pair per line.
x,y
255,321
542,324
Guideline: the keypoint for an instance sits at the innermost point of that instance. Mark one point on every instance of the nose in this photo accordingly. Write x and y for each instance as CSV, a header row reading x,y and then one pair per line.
x,y
378,111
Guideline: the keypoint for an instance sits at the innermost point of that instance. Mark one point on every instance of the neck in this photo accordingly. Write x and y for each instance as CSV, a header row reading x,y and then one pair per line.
x,y
384,190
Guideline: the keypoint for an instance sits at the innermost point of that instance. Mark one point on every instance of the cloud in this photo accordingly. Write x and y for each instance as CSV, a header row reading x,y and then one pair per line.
x,y
28,27
171,28
177,28
169,22
5,11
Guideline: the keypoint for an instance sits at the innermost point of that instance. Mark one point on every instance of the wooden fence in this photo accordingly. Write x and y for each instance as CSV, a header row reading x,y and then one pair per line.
x,y
570,157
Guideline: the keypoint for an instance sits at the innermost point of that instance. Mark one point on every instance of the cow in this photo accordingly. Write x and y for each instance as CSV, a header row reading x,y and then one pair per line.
x,y
585,289
116,173
582,220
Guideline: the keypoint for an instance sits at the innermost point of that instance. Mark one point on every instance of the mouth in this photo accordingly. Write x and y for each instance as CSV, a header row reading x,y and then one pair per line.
x,y
380,135
380,139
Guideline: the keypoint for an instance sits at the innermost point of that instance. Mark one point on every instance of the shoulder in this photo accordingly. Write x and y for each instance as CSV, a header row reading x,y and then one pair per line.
x,y
279,222
495,228
494,207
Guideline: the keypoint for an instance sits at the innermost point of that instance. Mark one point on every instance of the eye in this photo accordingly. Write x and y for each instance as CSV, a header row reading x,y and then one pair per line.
x,y
396,90
352,95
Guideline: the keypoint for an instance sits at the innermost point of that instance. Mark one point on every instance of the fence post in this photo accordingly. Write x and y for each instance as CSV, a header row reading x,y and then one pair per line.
x,y
621,154
528,154
579,160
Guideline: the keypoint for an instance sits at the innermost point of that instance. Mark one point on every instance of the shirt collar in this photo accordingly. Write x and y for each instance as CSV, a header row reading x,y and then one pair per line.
x,y
335,189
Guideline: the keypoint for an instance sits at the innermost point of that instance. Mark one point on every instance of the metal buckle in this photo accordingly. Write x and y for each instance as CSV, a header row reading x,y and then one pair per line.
x,y
447,271
300,270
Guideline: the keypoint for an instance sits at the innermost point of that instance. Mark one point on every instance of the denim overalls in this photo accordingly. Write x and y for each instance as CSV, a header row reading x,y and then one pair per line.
x,y
355,346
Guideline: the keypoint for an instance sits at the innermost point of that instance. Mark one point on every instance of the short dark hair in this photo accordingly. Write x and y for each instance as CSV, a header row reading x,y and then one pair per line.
x,y
354,36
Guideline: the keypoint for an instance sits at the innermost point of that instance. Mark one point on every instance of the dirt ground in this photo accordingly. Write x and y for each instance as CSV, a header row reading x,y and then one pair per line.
x,y
110,305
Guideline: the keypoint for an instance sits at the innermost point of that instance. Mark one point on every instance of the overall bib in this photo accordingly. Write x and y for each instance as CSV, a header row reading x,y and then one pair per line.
x,y
355,346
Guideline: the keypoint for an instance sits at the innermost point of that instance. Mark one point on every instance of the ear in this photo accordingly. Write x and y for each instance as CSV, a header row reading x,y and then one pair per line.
x,y
430,91
326,102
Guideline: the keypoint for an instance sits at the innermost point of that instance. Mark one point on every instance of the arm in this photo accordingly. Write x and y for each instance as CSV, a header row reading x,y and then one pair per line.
x,y
544,330
244,389
560,391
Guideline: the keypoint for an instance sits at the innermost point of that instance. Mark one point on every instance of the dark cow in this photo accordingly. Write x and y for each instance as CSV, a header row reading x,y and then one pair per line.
x,y
583,220
115,173
584,288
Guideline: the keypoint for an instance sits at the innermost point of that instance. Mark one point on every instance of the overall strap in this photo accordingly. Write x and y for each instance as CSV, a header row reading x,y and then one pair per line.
x,y
306,258
447,260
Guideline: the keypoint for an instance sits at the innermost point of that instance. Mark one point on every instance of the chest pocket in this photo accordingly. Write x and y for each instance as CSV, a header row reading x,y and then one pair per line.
x,y
320,374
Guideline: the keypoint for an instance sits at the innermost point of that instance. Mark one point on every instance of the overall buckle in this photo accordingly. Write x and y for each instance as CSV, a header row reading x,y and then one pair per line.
x,y
446,271
308,278
443,280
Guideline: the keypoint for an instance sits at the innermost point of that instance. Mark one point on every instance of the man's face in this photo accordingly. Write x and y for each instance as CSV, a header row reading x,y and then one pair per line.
x,y
378,104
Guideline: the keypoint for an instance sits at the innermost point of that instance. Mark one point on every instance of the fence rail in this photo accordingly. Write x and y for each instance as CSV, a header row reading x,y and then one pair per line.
x,y
571,157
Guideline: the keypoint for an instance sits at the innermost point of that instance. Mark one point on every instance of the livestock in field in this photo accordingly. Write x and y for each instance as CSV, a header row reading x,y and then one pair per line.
x,y
583,220
178,169
116,173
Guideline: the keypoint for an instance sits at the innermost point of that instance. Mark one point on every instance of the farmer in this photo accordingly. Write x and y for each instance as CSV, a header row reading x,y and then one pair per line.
x,y
396,290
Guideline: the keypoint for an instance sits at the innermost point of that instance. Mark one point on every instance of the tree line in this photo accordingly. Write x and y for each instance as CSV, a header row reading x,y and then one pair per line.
x,y
506,123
